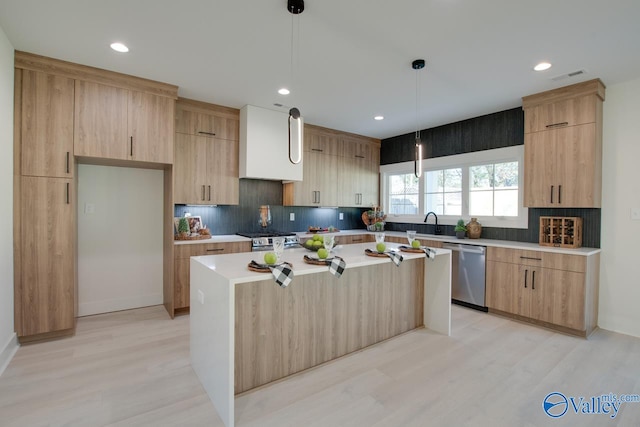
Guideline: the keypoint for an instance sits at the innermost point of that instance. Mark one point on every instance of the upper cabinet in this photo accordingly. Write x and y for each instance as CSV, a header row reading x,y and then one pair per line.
x,y
122,124
47,125
206,170
563,147
340,169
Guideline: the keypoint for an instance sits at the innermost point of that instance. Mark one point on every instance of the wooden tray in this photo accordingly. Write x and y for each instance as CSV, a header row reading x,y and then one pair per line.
x,y
404,248
313,261
369,252
258,268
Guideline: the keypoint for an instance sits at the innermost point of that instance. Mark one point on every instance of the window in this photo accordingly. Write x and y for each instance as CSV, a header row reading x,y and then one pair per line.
x,y
443,191
493,189
485,184
403,194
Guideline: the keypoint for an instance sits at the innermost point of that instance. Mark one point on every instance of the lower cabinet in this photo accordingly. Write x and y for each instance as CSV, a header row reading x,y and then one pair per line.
x,y
46,288
553,289
181,264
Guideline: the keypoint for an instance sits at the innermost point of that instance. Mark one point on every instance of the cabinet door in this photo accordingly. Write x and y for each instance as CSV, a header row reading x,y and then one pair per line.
x,y
577,159
181,288
305,193
47,125
151,128
503,287
47,255
568,112
539,169
190,170
371,178
100,125
558,297
211,125
223,173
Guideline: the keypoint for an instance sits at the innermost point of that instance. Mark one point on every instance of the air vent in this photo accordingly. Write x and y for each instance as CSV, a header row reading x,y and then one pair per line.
x,y
569,75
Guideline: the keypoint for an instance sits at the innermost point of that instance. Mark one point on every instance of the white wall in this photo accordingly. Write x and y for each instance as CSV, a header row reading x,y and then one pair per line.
x,y
620,260
120,244
8,341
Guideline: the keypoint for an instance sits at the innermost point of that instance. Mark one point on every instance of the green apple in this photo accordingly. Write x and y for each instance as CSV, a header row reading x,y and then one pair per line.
x,y
380,247
317,238
309,243
323,253
415,244
317,244
270,258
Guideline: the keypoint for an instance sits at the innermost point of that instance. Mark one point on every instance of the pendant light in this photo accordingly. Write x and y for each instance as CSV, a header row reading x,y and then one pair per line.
x,y
417,65
296,126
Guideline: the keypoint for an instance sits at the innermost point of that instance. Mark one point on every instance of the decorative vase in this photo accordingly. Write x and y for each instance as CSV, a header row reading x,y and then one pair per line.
x,y
474,229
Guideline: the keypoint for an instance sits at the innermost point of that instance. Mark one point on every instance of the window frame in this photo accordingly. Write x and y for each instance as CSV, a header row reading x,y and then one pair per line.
x,y
464,161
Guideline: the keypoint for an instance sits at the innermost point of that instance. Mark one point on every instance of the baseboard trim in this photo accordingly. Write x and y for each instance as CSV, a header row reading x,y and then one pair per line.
x,y
8,351
119,304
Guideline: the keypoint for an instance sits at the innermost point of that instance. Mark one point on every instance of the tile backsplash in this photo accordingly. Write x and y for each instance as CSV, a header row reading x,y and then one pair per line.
x,y
253,194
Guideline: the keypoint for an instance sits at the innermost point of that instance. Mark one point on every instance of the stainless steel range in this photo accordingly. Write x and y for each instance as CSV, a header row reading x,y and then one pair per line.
x,y
263,241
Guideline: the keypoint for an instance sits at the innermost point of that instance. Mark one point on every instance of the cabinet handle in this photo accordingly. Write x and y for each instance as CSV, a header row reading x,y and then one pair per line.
x,y
203,192
215,250
552,194
557,125
526,273
67,162
533,280
559,194
317,150
206,133
318,196
68,201
359,156
209,193
131,151
528,257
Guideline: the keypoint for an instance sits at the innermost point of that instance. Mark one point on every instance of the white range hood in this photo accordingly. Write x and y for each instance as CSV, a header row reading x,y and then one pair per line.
x,y
264,145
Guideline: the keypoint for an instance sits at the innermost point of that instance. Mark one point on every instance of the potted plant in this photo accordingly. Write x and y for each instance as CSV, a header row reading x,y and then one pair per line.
x,y
460,229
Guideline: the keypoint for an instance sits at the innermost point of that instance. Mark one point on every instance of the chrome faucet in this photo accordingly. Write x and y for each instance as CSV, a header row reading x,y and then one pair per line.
x,y
437,230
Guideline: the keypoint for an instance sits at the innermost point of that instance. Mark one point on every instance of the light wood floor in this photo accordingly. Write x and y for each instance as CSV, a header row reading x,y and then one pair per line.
x,y
132,369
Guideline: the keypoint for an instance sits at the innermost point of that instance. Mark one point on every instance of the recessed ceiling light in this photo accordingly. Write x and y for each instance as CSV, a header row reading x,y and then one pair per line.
x,y
284,91
378,118
542,66
119,47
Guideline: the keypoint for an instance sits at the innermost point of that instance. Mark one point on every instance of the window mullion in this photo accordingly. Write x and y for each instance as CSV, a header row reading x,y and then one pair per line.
x,y
465,191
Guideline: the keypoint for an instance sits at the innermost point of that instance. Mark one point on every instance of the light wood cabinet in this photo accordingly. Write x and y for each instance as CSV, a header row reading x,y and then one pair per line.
x,y
47,125
556,290
47,255
319,186
206,168
328,154
182,254
358,174
197,118
563,147
120,124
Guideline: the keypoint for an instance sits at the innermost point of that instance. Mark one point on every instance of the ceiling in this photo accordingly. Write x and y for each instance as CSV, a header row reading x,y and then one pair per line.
x,y
354,56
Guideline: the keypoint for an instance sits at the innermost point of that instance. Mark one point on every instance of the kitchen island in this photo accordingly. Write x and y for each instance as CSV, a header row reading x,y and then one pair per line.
x,y
247,331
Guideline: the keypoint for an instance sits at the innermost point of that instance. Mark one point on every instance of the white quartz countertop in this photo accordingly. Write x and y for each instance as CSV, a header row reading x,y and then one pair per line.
x,y
233,267
449,239
226,238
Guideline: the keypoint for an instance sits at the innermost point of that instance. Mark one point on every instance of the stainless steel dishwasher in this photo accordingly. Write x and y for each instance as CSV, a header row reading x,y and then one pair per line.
x,y
467,275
